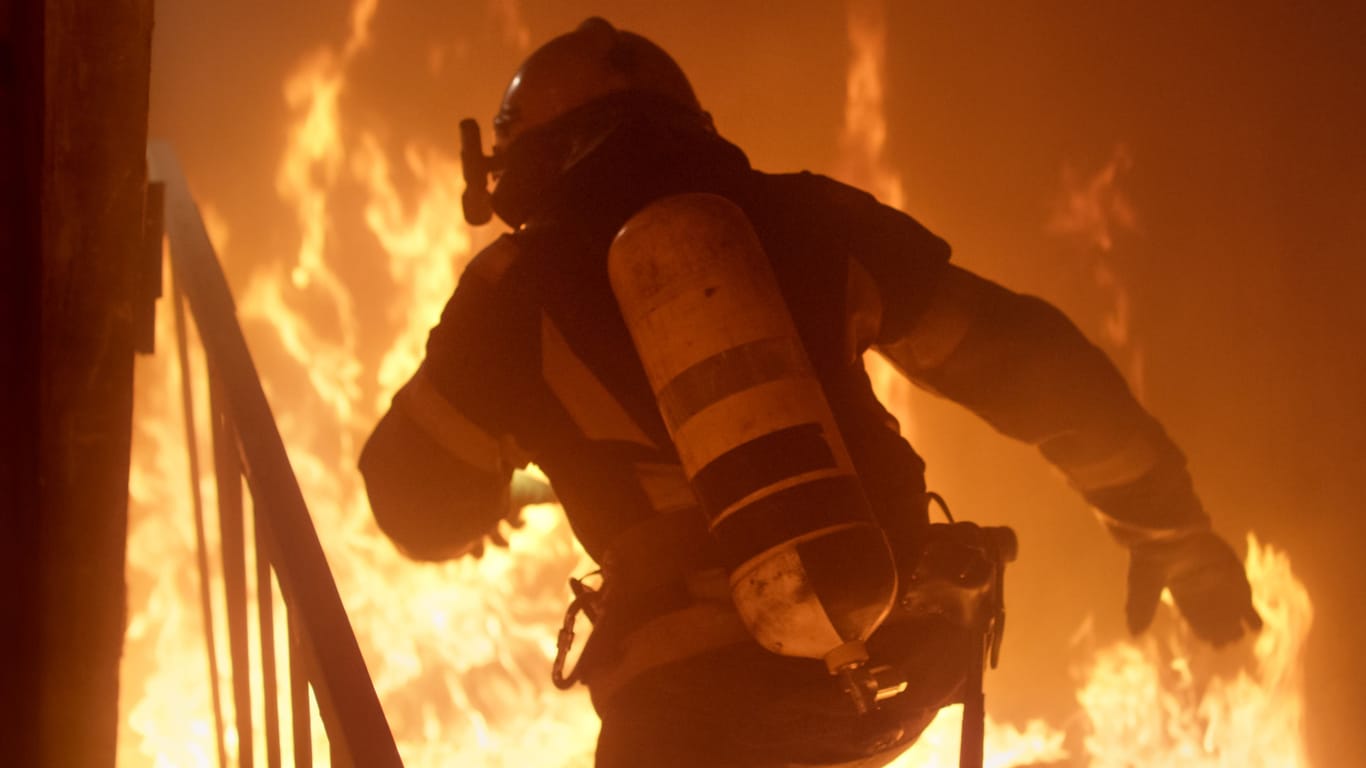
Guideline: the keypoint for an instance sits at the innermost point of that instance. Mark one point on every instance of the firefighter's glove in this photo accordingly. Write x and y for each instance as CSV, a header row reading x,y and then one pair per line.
x,y
524,490
1206,580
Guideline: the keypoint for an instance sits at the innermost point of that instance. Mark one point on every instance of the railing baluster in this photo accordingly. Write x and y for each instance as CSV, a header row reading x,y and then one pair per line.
x,y
228,474
197,502
322,641
270,687
301,712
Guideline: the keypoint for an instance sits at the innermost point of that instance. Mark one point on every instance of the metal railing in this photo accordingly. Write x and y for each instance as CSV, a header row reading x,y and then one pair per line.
x,y
323,651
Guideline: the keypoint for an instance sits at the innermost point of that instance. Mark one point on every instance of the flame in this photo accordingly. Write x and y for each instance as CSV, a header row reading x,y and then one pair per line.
x,y
1157,703
460,652
1005,746
514,29
172,718
1215,728
1093,208
863,135
1093,211
1168,699
863,139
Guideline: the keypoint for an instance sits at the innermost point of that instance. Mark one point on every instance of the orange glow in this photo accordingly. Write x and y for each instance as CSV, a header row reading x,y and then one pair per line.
x,y
460,652
1092,212
863,137
1156,702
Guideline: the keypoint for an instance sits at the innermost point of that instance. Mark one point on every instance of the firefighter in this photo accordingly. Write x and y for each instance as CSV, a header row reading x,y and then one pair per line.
x,y
533,360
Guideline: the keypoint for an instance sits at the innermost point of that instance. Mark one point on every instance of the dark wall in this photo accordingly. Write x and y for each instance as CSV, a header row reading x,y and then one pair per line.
x,y
74,83
21,52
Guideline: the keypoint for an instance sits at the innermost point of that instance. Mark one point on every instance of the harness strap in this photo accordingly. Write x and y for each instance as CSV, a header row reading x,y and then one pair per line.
x,y
665,639
665,598
658,551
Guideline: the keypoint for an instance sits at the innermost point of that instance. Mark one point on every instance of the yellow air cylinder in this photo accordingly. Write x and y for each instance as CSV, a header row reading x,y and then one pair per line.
x,y
810,572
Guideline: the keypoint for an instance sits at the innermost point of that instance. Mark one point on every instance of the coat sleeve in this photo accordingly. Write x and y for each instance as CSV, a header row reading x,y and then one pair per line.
x,y
1023,366
438,465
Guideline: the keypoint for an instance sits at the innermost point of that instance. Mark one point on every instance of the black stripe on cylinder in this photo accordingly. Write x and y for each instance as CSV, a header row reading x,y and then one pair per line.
x,y
729,371
852,574
792,512
761,462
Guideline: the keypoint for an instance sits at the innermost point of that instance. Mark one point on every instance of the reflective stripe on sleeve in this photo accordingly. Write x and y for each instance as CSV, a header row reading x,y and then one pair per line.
x,y
1132,534
445,424
863,310
947,318
1134,458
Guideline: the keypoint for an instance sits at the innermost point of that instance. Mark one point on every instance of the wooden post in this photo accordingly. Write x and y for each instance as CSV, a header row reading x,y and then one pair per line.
x,y
73,103
21,274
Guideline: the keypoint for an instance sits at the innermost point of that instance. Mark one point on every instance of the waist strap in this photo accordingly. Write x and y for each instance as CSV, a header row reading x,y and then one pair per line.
x,y
671,637
665,599
659,551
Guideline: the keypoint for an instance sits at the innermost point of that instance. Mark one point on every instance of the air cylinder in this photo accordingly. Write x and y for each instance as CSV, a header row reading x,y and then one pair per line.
x,y
810,572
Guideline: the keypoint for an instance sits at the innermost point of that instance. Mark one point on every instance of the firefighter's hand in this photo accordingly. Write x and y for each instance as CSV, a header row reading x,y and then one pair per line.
x,y
1206,579
524,490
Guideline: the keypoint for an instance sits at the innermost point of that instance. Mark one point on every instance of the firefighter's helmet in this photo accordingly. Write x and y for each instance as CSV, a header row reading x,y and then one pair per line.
x,y
567,95
578,68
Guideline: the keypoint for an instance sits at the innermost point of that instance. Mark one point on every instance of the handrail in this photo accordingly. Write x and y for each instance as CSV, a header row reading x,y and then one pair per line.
x,y
350,709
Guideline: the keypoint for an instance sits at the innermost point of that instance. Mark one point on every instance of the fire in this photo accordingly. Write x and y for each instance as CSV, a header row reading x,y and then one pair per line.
x,y
863,137
1158,703
1093,211
460,652
1006,746
1094,208
1217,727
